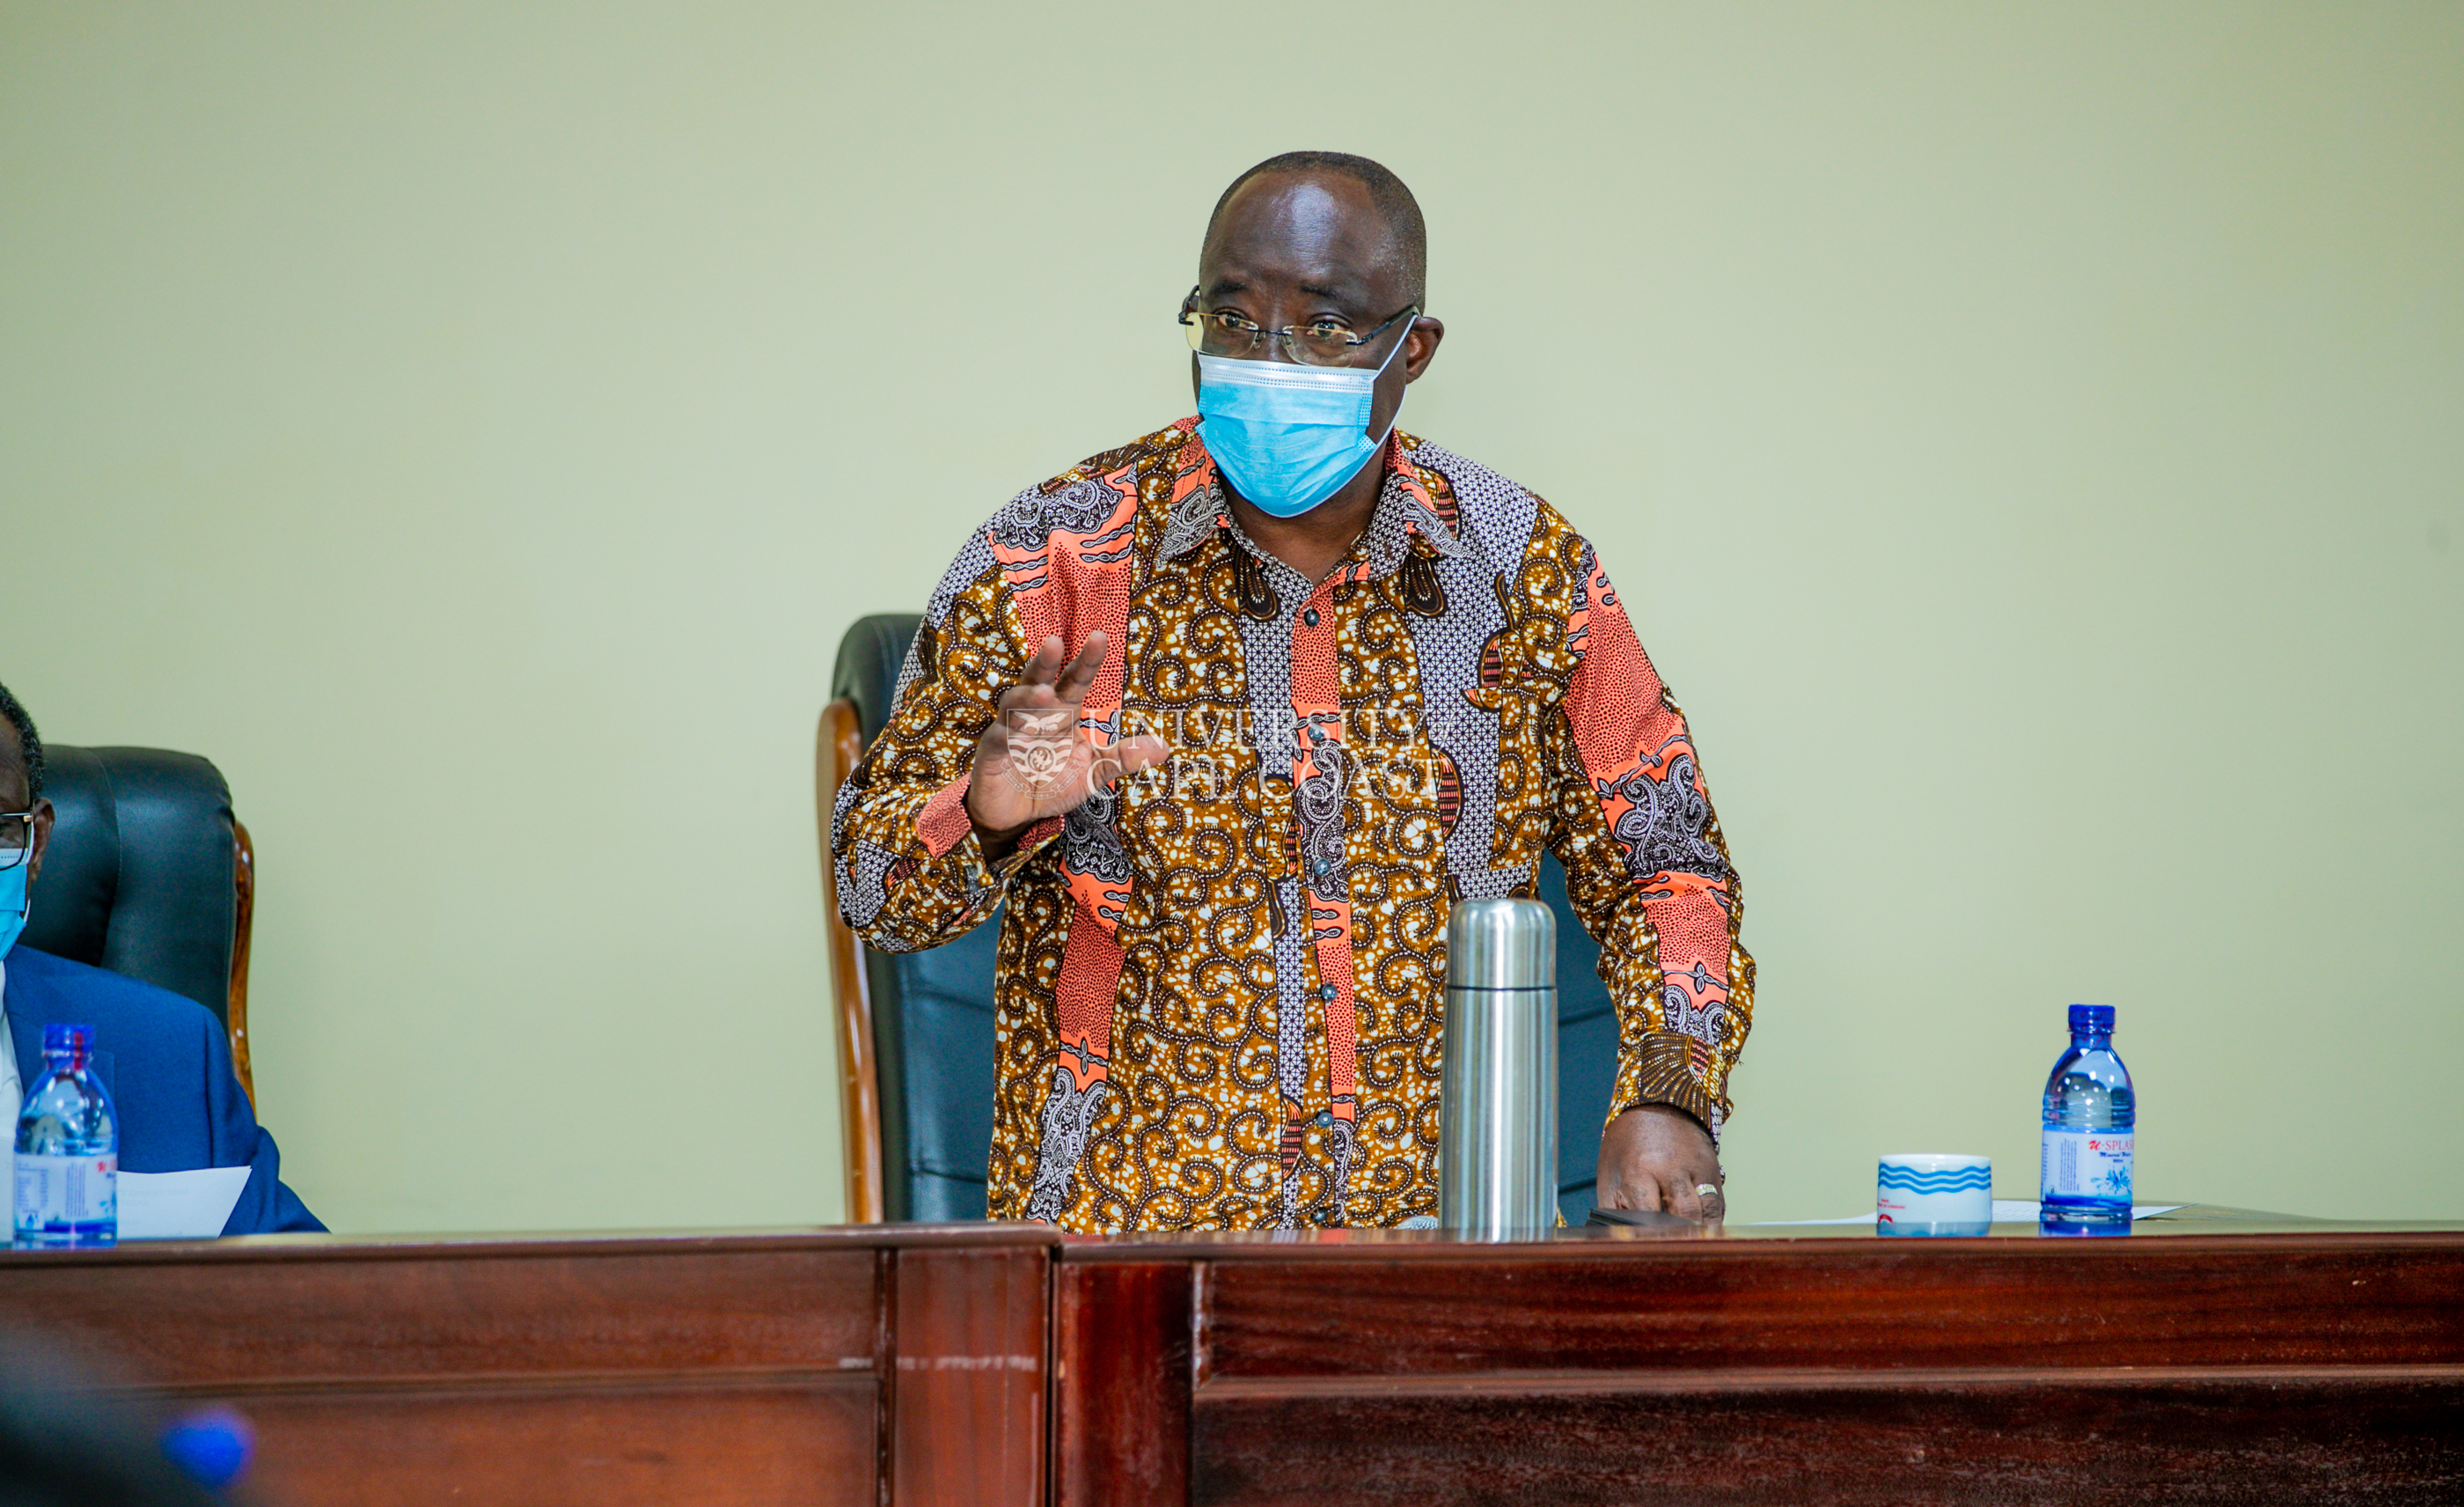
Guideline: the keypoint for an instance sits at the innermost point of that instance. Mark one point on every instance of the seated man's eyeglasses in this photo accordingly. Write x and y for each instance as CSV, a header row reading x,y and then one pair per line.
x,y
17,837
1322,343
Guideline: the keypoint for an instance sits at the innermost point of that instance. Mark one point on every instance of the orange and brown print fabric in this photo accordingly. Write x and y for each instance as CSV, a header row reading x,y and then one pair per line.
x,y
1221,983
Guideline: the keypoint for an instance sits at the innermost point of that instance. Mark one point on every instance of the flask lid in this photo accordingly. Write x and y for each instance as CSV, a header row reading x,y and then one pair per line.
x,y
1501,945
2092,1017
59,1036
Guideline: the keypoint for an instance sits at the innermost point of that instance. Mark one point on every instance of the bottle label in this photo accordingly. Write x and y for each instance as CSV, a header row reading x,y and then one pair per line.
x,y
66,1192
2087,1163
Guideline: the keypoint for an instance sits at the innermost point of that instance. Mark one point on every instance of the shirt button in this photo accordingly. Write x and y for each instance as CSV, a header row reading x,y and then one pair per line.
x,y
1326,992
1309,617
1323,864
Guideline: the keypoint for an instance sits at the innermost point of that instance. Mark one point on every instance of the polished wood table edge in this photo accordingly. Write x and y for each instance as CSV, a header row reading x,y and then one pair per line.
x,y
1417,1246
854,1371
251,1248
1242,1245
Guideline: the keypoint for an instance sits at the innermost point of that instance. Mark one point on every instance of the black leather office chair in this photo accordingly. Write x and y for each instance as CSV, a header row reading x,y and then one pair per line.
x,y
149,874
915,1030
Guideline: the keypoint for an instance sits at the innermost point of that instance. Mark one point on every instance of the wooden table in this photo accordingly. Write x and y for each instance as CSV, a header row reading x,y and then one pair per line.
x,y
2211,1363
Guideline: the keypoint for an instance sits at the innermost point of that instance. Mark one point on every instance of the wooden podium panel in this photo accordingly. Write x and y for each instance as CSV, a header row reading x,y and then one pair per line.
x,y
904,1365
1388,1368
807,1439
900,1364
971,1355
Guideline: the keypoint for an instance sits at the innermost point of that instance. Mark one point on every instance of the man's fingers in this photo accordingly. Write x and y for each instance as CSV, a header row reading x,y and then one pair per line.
x,y
1036,688
1698,1196
1118,762
1682,1201
1046,666
1140,754
1080,674
1642,1191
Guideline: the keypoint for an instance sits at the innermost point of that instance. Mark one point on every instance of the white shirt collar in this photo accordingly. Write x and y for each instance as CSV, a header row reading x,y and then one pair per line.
x,y
13,1089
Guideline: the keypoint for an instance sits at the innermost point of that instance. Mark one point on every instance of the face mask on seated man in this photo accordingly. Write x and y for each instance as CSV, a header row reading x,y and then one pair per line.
x,y
1325,680
180,1105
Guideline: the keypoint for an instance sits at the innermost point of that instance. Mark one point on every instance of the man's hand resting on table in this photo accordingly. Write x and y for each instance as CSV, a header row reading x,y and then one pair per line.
x,y
1653,1158
1033,763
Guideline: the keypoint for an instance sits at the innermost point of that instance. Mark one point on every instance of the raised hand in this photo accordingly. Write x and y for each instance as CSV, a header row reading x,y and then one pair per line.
x,y
1033,763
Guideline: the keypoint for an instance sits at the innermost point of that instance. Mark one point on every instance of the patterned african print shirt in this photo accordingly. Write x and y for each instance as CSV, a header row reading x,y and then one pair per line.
x,y
1221,983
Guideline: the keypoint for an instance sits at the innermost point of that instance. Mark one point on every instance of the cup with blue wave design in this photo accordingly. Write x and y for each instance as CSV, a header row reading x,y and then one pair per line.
x,y
1932,1194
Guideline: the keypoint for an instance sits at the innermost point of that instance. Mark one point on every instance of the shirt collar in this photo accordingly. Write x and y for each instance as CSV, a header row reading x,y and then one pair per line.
x,y
13,1087
1406,518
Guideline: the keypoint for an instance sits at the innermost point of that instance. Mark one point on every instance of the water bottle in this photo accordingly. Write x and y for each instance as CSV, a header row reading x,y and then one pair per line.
x,y
2090,1115
68,1150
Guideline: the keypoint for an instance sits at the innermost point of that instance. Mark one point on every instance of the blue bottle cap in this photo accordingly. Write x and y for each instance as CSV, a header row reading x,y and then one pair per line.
x,y
60,1037
2092,1017
210,1447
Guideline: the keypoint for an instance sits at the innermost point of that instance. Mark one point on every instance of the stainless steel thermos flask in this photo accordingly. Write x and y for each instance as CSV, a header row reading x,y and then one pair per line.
x,y
1497,1111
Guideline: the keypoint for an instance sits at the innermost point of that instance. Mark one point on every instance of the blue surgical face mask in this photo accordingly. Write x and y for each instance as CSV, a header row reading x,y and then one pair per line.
x,y
1289,436
12,903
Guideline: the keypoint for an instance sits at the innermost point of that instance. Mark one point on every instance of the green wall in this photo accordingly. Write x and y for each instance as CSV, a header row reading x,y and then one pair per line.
x,y
2029,438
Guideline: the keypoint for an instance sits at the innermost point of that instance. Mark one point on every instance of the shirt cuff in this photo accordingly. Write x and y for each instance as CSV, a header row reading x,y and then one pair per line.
x,y
990,879
945,823
1664,1075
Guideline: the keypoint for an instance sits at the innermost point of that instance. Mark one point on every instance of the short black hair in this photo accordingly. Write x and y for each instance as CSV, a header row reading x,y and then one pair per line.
x,y
29,743
1394,201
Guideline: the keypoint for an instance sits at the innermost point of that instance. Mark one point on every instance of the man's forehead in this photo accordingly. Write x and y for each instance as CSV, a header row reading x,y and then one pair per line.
x,y
1300,193
1320,231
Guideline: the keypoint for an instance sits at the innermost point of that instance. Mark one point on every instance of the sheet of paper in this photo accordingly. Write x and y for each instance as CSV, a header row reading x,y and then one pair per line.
x,y
178,1206
1852,1219
2023,1211
2005,1211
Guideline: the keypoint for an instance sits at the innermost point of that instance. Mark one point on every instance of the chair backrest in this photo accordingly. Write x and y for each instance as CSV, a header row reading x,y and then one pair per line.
x,y
921,1023
930,1014
1586,1049
148,875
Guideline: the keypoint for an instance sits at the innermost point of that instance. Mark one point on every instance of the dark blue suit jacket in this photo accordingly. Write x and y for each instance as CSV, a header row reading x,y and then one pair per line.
x,y
169,1075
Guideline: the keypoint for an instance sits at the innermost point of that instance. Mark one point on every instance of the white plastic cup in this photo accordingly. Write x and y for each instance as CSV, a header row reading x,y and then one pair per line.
x,y
1933,1193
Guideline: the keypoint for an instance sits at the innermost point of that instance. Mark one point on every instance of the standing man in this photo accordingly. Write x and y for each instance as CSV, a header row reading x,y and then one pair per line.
x,y
1232,715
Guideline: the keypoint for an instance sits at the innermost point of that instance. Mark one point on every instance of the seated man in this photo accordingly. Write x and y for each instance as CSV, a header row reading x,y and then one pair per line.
x,y
1322,681
181,1106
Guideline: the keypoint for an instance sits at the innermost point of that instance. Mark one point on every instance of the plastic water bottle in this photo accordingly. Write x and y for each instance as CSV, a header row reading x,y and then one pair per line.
x,y
2090,1119
68,1150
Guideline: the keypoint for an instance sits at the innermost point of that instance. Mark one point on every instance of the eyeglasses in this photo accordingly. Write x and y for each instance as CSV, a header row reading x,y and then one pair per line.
x,y
17,837
1323,344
